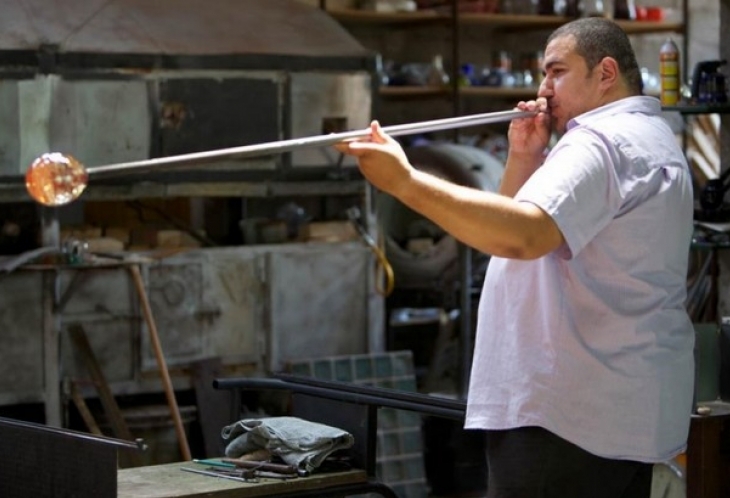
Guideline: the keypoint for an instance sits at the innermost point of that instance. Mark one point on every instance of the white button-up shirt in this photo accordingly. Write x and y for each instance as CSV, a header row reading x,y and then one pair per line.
x,y
592,341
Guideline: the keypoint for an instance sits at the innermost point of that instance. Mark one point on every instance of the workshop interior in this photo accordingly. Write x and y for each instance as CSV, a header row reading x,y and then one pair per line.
x,y
190,273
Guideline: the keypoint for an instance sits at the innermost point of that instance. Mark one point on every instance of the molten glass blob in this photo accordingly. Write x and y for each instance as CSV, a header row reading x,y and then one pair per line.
x,y
55,179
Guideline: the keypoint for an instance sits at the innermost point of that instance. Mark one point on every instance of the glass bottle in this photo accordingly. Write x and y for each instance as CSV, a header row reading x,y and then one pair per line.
x,y
624,9
382,74
466,75
546,7
573,8
506,7
593,8
437,76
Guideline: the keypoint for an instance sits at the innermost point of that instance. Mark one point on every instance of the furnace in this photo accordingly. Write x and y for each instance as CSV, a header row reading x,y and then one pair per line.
x,y
126,80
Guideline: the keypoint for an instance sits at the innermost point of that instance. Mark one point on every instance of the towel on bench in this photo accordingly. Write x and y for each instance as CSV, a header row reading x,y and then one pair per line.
x,y
298,442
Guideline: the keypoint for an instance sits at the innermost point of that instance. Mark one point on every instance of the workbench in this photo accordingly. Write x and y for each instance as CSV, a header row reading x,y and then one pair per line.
x,y
168,481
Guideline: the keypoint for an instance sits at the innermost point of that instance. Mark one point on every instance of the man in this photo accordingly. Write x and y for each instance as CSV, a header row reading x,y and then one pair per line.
x,y
582,373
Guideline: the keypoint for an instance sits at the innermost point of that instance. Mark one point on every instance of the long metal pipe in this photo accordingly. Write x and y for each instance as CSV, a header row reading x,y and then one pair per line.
x,y
280,146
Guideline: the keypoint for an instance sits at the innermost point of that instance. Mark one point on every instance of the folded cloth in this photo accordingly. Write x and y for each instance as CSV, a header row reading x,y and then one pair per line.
x,y
298,442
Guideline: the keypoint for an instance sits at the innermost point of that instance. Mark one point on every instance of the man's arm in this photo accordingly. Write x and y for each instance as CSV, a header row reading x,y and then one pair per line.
x,y
490,223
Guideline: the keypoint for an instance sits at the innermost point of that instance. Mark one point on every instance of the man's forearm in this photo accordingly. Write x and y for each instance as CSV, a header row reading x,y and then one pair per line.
x,y
489,222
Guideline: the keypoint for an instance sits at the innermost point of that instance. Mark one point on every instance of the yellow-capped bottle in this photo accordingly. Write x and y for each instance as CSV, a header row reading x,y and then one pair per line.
x,y
669,73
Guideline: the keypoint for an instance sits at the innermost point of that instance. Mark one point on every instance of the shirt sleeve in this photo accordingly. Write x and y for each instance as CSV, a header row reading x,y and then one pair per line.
x,y
578,187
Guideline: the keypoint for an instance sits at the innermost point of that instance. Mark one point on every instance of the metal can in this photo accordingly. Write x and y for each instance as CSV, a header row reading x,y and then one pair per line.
x,y
669,73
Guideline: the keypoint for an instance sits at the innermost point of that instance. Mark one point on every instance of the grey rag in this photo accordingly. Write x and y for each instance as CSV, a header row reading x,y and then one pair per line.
x,y
296,441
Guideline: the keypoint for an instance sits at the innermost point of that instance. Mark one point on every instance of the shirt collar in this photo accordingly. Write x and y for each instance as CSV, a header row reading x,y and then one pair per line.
x,y
637,104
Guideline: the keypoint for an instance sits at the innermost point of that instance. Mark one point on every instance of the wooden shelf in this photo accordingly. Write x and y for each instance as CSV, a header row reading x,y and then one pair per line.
x,y
414,91
404,92
699,108
498,92
372,17
503,21
648,27
527,22
513,21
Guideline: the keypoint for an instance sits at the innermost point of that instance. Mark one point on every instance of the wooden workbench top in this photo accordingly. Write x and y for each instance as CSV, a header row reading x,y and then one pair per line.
x,y
168,481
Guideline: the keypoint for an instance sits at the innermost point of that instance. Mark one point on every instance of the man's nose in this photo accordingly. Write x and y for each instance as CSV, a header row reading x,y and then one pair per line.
x,y
545,89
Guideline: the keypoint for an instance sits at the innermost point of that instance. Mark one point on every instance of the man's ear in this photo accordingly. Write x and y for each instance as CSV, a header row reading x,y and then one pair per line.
x,y
610,73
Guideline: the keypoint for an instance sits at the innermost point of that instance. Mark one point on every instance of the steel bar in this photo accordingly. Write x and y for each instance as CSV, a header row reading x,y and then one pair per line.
x,y
373,397
137,444
382,392
280,146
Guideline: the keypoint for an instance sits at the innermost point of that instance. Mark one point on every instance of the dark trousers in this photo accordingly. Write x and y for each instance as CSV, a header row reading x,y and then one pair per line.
x,y
532,462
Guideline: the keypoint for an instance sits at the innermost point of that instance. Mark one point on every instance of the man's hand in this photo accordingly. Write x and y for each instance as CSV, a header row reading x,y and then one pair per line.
x,y
529,137
381,158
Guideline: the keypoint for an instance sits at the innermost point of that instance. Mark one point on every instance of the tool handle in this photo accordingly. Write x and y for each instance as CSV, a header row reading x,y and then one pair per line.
x,y
266,466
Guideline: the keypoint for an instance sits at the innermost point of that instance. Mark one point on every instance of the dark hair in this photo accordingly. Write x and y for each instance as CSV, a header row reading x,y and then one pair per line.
x,y
596,38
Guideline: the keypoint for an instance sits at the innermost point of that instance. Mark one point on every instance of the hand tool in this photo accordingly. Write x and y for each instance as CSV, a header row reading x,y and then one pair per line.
x,y
279,468
55,179
217,474
214,463
245,475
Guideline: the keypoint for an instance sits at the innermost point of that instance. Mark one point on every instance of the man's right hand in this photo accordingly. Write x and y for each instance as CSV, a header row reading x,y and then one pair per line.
x,y
381,158
529,137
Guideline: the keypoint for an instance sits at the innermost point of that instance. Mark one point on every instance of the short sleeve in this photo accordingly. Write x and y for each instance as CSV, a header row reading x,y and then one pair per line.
x,y
577,186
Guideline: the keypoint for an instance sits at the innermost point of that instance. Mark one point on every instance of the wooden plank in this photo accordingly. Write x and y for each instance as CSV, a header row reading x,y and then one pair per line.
x,y
168,480
83,348
84,411
111,408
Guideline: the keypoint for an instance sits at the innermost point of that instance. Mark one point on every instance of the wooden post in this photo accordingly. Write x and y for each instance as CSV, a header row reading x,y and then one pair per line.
x,y
161,364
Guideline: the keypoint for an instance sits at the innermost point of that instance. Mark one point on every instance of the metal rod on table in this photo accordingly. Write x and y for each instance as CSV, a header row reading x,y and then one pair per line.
x,y
270,148
216,474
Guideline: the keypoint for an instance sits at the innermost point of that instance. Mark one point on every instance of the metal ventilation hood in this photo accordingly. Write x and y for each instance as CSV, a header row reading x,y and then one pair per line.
x,y
170,33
